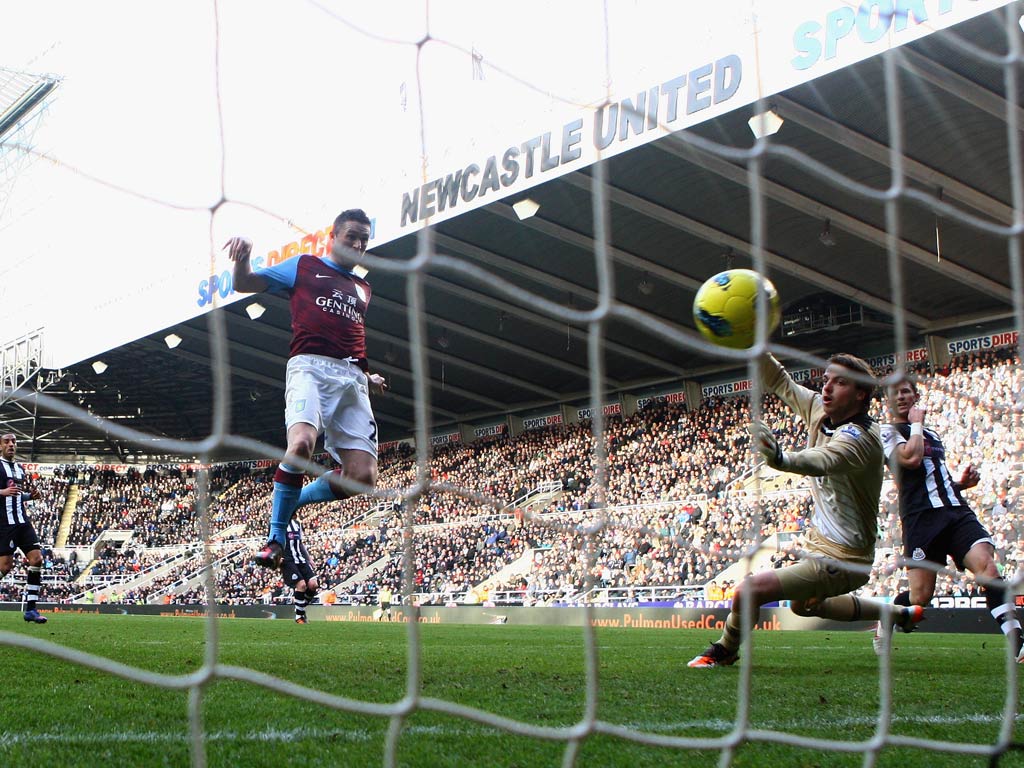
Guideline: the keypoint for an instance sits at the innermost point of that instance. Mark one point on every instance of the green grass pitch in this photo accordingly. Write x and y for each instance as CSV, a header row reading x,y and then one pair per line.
x,y
816,684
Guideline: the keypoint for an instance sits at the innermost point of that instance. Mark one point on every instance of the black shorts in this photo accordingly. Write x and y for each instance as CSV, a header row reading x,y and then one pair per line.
x,y
385,606
936,534
19,536
294,572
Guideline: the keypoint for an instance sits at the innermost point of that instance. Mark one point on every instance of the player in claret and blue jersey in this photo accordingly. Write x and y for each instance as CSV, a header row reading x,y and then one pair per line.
x,y
328,377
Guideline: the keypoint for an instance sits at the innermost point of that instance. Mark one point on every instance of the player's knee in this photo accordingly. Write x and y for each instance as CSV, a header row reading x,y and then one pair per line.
x,y
987,568
300,586
922,596
364,475
744,592
981,560
300,447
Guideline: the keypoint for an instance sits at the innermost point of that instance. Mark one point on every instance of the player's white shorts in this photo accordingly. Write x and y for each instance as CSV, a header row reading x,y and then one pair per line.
x,y
332,395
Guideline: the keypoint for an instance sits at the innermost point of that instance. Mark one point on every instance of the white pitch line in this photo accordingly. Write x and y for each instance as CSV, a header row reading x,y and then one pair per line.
x,y
275,735
842,722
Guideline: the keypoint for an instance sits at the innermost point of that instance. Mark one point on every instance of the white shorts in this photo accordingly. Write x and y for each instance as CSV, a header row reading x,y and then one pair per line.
x,y
333,396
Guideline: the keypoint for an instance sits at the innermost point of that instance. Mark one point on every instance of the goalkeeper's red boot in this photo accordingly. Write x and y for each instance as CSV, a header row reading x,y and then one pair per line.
x,y
715,656
909,618
270,556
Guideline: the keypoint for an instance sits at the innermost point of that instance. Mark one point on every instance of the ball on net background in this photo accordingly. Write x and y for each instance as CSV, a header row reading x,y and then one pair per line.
x,y
725,307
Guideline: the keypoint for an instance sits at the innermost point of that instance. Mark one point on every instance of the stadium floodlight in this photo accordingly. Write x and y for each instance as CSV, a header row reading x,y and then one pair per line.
x,y
99,366
255,310
172,340
525,208
765,124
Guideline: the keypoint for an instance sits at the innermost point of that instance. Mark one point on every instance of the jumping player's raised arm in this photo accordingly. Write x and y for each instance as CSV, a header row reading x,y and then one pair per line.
x,y
243,278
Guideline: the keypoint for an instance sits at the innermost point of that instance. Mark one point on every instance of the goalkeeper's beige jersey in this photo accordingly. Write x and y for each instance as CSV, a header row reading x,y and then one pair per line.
x,y
845,464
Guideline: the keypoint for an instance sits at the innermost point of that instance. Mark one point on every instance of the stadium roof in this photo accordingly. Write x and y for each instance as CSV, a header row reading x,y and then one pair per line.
x,y
678,213
23,97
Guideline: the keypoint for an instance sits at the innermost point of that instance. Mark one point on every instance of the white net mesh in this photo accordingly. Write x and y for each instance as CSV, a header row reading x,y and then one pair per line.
x,y
744,165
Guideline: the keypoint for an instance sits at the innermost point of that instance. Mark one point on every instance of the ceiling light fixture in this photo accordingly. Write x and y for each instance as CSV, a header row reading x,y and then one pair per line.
x,y
99,366
826,237
255,310
525,208
728,256
765,124
172,340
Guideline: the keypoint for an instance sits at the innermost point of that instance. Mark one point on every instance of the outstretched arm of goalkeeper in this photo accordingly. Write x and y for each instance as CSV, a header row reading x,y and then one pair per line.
x,y
843,453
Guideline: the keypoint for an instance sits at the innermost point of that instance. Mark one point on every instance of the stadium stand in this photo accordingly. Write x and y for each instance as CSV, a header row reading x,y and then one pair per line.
x,y
682,510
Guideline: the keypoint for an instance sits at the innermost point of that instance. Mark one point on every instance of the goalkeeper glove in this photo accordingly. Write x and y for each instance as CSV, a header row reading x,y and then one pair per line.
x,y
768,444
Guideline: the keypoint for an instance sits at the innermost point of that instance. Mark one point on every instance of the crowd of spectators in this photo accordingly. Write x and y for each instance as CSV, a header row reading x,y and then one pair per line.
x,y
677,514
53,493
158,508
123,563
58,579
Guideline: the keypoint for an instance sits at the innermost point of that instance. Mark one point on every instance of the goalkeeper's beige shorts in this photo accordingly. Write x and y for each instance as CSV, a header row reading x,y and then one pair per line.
x,y
821,573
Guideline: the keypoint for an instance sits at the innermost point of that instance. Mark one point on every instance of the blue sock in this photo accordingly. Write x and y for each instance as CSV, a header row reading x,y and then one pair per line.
x,y
287,487
285,499
317,491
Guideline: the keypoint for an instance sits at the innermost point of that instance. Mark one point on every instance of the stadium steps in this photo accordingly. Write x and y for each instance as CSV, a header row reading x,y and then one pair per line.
x,y
231,532
518,567
361,575
147,576
372,514
66,516
538,498
195,578
83,576
772,480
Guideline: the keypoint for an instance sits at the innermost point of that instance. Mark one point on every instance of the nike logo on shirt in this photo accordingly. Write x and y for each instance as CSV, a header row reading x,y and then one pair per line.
x,y
324,276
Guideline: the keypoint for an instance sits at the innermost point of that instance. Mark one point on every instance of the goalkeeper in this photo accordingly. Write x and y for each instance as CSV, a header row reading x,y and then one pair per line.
x,y
844,458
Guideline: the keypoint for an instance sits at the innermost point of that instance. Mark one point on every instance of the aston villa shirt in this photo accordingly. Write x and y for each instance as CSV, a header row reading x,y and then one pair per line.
x,y
328,306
